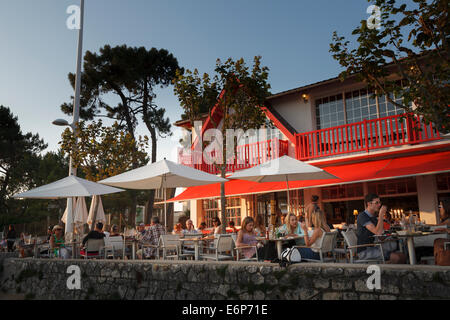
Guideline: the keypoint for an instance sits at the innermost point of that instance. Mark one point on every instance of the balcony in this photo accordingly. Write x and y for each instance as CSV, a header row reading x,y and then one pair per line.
x,y
364,136
247,156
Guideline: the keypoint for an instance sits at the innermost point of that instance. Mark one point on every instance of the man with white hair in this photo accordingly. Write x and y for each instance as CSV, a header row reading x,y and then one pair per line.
x,y
190,227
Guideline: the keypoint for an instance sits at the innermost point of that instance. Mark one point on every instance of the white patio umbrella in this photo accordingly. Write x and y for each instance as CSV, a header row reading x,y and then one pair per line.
x,y
284,168
68,187
98,216
162,174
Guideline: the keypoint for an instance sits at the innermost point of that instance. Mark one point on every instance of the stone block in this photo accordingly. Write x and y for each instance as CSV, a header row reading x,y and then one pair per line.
x,y
349,296
320,283
366,296
257,279
332,296
332,272
341,284
309,294
387,297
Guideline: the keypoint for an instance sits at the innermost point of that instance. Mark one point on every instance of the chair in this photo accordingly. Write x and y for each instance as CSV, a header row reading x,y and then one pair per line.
x,y
184,252
93,248
239,254
113,246
352,246
326,245
168,244
222,244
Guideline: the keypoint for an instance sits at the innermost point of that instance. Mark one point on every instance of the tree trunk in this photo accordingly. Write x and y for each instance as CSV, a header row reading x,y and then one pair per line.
x,y
152,130
149,207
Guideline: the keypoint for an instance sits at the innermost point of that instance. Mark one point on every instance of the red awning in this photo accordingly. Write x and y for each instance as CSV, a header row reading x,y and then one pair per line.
x,y
350,173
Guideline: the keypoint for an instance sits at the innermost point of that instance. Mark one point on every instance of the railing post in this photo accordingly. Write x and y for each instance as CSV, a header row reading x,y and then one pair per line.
x,y
366,136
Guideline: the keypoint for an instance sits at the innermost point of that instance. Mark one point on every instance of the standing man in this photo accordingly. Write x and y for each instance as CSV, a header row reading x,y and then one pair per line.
x,y
151,237
369,223
310,208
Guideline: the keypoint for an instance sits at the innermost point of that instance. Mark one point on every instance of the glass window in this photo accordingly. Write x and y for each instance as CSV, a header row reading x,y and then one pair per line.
x,y
326,111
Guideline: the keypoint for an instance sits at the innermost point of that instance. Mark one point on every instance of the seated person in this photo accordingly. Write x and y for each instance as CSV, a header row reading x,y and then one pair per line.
x,y
140,231
190,227
368,225
387,221
114,231
202,227
444,212
216,225
313,241
57,243
292,228
25,250
260,228
151,237
97,233
233,228
178,229
247,237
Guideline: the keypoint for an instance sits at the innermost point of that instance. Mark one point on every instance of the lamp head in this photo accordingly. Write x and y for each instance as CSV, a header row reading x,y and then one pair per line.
x,y
61,122
305,97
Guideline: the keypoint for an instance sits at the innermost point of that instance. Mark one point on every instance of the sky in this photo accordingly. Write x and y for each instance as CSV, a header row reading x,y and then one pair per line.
x,y
37,50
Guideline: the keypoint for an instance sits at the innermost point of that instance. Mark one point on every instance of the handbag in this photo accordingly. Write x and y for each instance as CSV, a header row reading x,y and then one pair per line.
x,y
290,256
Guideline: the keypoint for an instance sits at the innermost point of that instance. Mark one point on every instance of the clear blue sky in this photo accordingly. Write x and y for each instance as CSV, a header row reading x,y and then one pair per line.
x,y
37,51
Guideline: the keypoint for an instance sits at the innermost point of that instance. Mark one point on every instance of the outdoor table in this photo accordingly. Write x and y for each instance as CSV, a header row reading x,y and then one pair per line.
x,y
409,236
279,242
196,242
133,242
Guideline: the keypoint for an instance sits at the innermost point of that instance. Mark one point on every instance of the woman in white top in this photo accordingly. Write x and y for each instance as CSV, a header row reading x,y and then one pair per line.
x,y
216,224
313,242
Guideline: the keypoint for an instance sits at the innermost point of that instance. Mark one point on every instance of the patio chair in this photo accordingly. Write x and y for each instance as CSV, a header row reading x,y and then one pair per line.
x,y
326,245
113,246
186,252
93,248
222,245
168,244
239,255
351,245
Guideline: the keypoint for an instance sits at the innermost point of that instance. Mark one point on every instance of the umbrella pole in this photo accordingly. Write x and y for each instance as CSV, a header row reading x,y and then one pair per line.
x,y
288,202
165,205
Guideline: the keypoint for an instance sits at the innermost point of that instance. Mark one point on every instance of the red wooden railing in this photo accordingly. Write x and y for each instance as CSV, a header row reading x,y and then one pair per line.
x,y
364,136
246,156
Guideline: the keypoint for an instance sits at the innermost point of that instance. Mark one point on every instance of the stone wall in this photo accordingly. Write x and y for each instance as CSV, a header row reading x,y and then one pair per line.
x,y
183,280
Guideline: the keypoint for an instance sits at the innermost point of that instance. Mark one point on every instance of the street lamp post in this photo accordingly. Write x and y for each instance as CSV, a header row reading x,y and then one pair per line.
x,y
76,117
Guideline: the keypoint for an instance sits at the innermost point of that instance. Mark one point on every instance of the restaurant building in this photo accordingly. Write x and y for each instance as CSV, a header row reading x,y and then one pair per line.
x,y
366,141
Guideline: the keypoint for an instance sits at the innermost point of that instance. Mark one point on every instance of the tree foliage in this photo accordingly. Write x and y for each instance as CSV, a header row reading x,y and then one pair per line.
x,y
131,74
22,167
18,153
102,151
235,90
412,44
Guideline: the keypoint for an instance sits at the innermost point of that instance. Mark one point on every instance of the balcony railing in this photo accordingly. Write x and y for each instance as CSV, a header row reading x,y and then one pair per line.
x,y
247,156
364,136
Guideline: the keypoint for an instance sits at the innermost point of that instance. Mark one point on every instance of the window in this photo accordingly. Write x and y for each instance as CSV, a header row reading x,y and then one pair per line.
x,y
297,204
359,105
234,210
346,191
330,112
393,186
211,209
443,181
